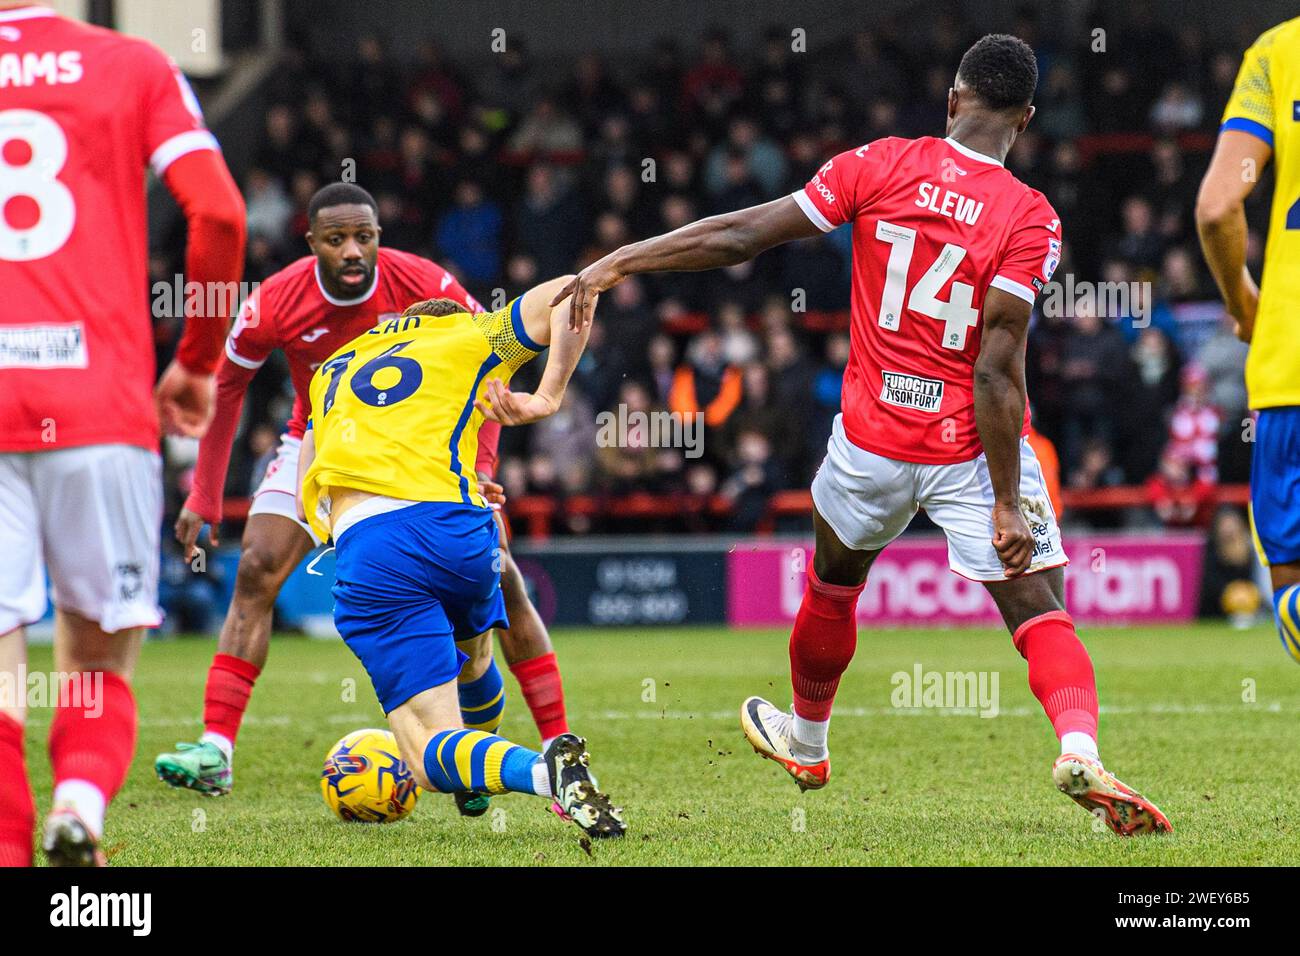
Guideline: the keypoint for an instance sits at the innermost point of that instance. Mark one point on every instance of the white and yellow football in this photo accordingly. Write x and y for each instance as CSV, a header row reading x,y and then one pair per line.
x,y
365,780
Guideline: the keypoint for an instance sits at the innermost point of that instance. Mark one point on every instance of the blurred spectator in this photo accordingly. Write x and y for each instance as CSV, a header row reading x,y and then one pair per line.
x,y
1152,391
755,159
269,208
1223,358
1050,464
602,368
546,131
739,345
630,461
661,356
1179,497
705,383
759,412
1140,243
1096,468
1092,376
714,82
1228,584
755,475
263,441
828,384
549,225
1177,109
507,81
190,594
469,234
569,438
278,152
1194,426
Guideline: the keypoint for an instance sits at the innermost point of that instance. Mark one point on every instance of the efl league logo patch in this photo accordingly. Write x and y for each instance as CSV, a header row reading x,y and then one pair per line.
x,y
1053,258
1295,110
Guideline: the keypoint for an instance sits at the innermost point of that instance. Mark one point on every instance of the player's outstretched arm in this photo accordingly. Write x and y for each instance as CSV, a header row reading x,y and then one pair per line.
x,y
546,324
711,243
1000,417
204,502
1221,221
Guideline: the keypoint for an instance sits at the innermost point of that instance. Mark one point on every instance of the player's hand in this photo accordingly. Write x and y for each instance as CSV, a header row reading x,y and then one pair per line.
x,y
493,494
585,287
514,408
184,401
1012,539
188,525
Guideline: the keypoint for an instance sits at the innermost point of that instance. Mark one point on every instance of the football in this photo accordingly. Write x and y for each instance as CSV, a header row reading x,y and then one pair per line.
x,y
364,779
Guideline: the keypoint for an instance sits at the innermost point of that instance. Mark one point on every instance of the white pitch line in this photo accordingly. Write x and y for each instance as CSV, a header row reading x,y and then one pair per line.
x,y
1149,709
649,713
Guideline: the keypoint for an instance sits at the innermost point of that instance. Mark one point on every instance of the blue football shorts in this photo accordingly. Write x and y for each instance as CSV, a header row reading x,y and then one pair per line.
x,y
1275,484
411,583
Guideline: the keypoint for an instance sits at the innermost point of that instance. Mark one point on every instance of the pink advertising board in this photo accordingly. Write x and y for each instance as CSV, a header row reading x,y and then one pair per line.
x,y
1111,579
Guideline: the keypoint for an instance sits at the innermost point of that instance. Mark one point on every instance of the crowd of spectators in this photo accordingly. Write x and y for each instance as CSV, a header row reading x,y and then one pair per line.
x,y
509,170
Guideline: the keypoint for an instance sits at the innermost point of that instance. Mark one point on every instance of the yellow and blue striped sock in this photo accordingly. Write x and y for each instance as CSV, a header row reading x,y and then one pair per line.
x,y
483,700
476,760
1286,605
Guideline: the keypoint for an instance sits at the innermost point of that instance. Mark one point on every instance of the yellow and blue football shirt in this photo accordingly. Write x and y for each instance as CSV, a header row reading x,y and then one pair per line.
x,y
1266,103
393,410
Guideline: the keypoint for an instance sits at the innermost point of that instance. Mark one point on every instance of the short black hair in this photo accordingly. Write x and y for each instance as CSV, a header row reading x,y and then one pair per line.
x,y
1001,70
339,194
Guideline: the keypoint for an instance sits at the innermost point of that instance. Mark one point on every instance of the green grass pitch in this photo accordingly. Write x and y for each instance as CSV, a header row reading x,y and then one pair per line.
x,y
1203,719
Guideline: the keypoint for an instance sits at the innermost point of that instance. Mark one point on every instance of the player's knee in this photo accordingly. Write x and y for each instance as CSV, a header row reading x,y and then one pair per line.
x,y
1022,599
260,574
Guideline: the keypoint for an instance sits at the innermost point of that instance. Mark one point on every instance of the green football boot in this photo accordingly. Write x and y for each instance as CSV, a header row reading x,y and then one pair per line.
x,y
202,767
471,803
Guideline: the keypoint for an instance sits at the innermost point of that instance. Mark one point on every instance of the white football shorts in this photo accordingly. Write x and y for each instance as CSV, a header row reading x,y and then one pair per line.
x,y
868,500
92,516
277,494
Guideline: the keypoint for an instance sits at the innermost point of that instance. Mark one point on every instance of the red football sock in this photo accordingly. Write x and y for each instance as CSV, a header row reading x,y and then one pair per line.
x,y
539,682
822,643
230,684
1060,672
95,745
17,812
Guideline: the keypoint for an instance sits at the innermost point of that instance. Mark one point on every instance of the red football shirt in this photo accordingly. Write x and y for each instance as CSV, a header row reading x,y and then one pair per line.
x,y
292,311
935,224
83,112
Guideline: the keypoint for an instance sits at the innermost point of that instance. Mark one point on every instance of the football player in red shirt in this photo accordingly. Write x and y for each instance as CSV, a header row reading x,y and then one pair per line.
x,y
84,112
949,253
309,309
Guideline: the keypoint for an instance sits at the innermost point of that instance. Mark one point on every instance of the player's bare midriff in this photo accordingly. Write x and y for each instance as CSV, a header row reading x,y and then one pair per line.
x,y
342,500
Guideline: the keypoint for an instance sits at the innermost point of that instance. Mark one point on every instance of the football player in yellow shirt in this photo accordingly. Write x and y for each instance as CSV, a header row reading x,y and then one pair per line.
x,y
387,470
1262,121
